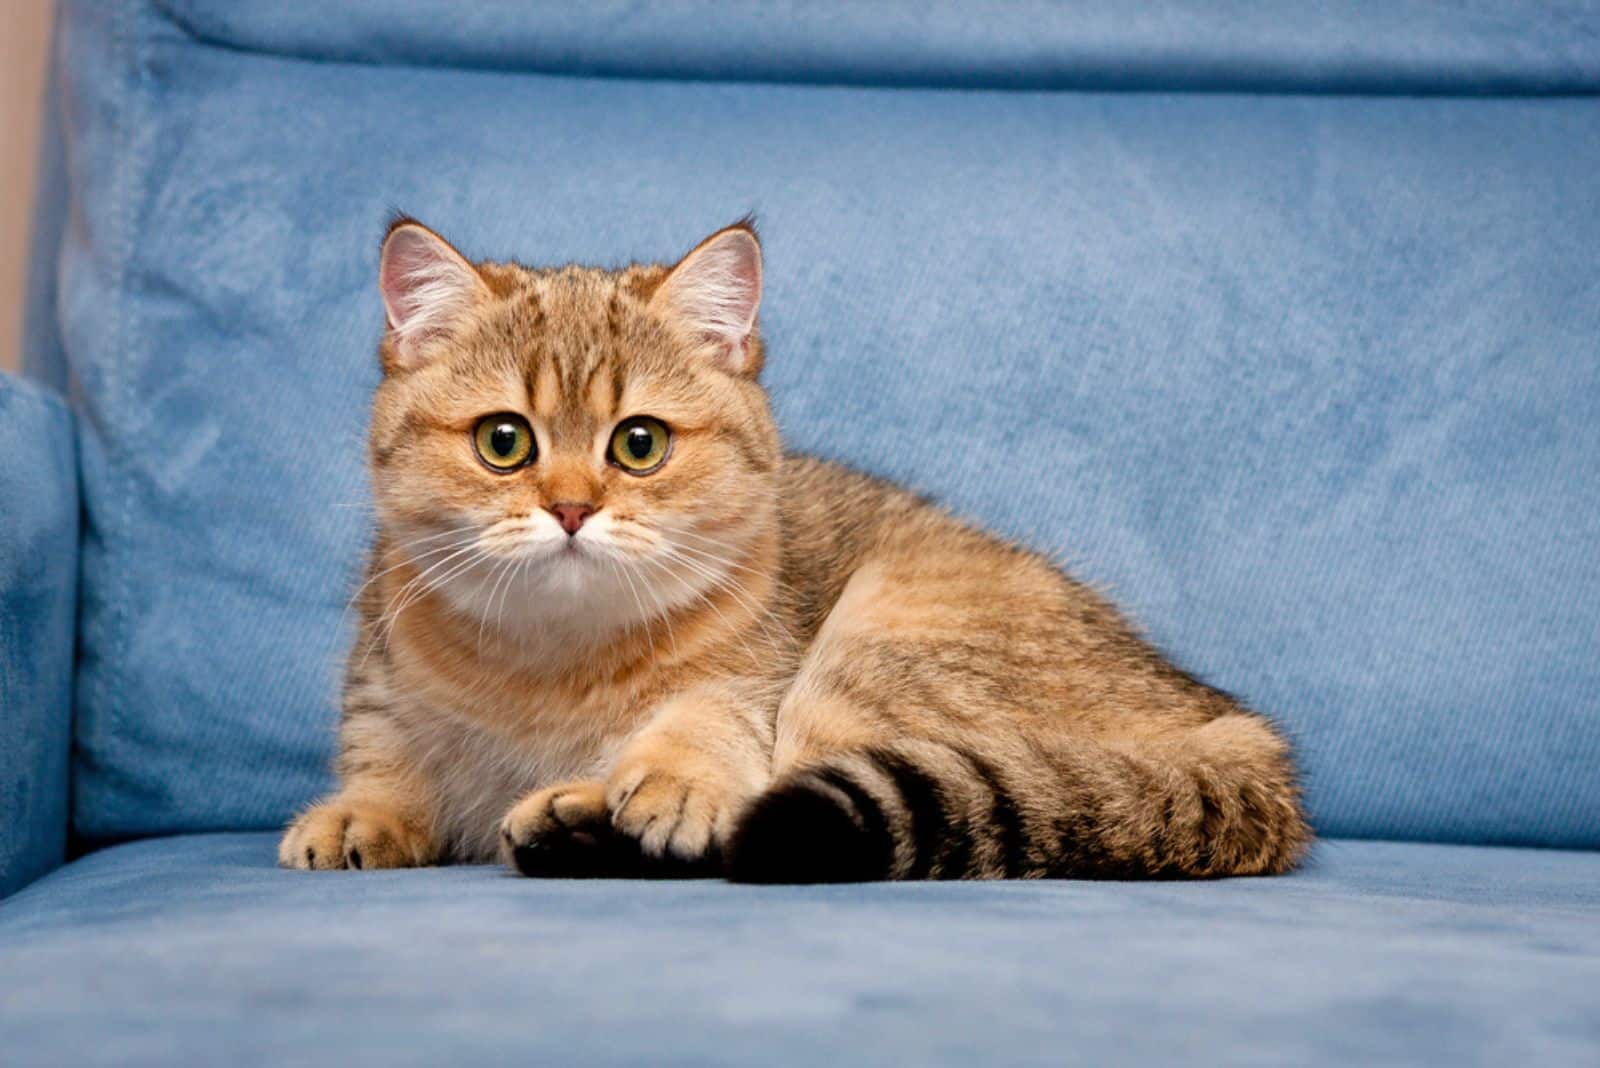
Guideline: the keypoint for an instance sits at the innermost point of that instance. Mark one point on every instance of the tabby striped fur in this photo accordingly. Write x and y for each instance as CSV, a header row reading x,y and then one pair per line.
x,y
751,662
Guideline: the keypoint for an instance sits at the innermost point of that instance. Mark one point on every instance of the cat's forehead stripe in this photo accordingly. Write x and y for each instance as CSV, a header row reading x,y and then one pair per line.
x,y
545,390
603,392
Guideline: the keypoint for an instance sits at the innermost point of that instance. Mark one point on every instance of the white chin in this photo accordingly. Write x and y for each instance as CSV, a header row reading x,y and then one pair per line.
x,y
562,592
553,570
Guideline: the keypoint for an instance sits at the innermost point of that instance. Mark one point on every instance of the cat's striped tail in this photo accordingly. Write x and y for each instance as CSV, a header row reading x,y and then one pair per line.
x,y
1219,799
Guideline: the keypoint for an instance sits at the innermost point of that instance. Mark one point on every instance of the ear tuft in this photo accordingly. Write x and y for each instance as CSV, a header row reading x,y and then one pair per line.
x,y
713,294
427,286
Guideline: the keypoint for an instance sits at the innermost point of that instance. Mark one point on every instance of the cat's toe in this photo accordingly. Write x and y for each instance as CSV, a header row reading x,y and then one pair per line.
x,y
566,832
351,835
560,832
314,841
672,817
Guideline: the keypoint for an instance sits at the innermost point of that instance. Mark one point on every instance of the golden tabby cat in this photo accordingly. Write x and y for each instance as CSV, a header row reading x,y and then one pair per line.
x,y
610,627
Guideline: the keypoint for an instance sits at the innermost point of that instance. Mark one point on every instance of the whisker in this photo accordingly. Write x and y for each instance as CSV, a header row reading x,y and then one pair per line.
x,y
501,572
412,557
704,598
727,562
427,587
721,560
728,582
622,569
419,586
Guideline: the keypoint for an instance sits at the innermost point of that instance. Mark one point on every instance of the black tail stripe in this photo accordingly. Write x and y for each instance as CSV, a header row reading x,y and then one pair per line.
x,y
921,796
1003,815
868,810
957,855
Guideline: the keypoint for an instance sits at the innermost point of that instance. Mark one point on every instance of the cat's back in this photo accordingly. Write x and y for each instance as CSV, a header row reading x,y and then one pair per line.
x,y
834,517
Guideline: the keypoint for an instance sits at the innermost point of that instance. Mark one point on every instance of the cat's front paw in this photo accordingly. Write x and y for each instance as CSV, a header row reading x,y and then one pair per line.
x,y
553,825
353,834
683,808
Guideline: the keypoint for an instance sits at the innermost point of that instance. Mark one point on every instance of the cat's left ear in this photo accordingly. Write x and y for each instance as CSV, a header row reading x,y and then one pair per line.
x,y
428,289
713,294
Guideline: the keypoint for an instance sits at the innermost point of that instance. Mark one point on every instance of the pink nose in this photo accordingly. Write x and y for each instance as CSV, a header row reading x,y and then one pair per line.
x,y
570,514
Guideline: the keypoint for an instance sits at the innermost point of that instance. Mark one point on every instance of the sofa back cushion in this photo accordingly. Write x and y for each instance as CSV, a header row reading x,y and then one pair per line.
x,y
1307,381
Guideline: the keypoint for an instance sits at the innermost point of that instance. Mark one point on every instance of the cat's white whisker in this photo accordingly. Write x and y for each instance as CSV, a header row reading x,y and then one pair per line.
x,y
409,556
726,581
704,597
502,571
622,570
677,533
420,586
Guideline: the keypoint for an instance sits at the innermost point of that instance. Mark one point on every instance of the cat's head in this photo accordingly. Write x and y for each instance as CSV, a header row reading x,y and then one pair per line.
x,y
572,447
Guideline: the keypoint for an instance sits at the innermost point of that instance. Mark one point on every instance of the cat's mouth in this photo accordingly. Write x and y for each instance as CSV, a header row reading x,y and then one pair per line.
x,y
532,552
527,540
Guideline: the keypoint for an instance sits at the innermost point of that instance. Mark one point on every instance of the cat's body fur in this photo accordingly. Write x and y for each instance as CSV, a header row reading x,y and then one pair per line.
x,y
767,662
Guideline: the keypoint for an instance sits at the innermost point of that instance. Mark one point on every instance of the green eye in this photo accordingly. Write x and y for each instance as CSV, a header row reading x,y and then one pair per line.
x,y
640,445
504,441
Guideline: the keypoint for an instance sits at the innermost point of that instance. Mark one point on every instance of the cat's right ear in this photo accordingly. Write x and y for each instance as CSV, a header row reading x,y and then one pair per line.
x,y
427,287
713,295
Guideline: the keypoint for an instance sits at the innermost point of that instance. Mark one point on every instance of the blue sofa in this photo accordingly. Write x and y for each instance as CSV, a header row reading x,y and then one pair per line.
x,y
1284,327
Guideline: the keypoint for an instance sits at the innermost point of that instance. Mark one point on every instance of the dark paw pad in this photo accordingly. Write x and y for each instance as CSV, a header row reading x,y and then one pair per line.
x,y
592,854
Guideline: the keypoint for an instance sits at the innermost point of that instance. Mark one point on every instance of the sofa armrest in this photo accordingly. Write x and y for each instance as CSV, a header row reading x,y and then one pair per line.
x,y
38,608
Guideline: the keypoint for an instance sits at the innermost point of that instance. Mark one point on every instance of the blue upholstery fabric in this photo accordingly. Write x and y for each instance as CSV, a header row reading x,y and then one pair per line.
x,y
1342,46
38,603
196,950
1307,381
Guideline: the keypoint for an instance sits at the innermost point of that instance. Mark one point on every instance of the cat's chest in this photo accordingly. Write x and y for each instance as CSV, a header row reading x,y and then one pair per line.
x,y
565,730
513,703
480,755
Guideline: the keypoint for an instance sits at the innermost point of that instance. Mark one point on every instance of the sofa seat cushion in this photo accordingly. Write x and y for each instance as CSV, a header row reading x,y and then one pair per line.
x,y
190,949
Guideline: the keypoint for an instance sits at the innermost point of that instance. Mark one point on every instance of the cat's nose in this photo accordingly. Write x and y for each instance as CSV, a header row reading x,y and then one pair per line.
x,y
571,514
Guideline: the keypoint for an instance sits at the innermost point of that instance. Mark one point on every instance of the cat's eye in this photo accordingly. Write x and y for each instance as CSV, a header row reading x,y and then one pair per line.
x,y
640,445
504,442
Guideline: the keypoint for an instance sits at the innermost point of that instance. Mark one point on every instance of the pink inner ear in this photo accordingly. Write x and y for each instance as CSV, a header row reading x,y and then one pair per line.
x,y
425,285
401,259
720,286
717,291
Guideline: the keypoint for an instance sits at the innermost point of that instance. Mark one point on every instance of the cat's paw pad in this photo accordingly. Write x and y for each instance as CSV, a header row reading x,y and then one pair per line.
x,y
559,830
348,834
683,812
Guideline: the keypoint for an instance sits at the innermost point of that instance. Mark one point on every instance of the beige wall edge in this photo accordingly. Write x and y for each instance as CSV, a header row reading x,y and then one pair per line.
x,y
24,50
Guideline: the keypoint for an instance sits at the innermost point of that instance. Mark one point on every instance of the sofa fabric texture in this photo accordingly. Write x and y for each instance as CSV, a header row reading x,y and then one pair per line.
x,y
1330,46
1306,380
38,606
1280,325
1377,953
